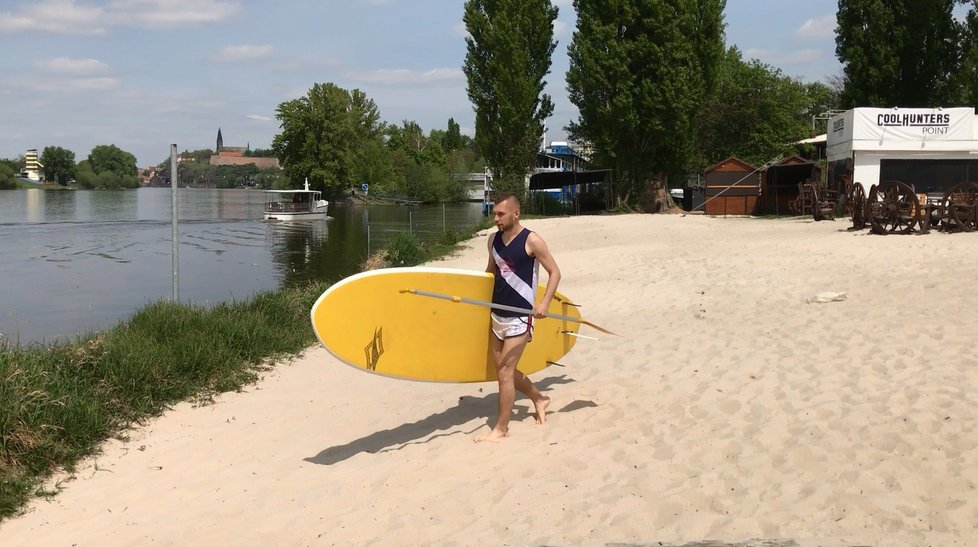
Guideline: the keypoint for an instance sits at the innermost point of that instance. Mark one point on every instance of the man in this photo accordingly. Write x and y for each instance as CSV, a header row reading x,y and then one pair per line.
x,y
515,254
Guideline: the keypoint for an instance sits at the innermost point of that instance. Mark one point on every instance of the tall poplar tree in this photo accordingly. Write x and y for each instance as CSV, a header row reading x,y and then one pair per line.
x,y
639,72
898,52
508,54
968,74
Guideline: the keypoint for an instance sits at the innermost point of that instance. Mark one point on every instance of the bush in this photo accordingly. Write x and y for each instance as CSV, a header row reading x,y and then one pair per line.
x,y
404,249
449,237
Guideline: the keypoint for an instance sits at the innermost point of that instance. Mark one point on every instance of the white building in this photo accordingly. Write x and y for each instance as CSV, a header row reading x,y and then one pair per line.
x,y
929,148
32,167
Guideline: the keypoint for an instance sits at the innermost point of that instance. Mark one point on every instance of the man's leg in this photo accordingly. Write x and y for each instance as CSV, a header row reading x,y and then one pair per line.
x,y
506,354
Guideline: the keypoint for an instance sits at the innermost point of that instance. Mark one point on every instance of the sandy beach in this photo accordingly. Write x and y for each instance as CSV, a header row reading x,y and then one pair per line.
x,y
733,409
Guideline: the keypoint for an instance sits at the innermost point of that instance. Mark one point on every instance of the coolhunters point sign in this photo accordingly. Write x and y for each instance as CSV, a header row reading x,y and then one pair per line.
x,y
905,124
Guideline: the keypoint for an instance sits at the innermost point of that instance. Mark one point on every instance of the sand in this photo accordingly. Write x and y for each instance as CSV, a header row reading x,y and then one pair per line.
x,y
732,410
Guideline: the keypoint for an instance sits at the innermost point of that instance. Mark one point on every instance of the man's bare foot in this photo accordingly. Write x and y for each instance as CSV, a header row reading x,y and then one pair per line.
x,y
494,436
541,405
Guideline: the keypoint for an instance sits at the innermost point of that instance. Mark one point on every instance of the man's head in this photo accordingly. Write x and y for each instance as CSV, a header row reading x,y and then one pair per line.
x,y
506,211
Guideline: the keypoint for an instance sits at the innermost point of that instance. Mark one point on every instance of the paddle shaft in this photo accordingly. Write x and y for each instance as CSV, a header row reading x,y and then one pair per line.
x,y
493,305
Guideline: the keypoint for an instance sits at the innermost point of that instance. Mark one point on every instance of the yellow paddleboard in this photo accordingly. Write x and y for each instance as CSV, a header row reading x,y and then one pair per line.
x,y
369,322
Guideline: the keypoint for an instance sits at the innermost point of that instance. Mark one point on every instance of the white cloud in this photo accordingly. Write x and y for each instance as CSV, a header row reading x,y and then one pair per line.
x,y
77,84
232,54
403,76
560,28
68,17
67,65
172,13
818,27
95,83
460,30
780,58
259,117
57,16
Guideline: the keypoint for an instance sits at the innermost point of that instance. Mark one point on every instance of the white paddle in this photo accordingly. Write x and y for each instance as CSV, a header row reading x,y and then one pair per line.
x,y
523,311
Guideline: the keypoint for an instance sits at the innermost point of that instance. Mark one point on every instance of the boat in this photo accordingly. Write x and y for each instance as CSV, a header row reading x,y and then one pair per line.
x,y
303,204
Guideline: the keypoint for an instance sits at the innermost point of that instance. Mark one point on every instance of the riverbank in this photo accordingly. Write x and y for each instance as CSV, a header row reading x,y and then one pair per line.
x,y
735,406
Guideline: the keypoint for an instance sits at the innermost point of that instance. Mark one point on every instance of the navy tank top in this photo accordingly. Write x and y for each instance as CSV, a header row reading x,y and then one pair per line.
x,y
516,273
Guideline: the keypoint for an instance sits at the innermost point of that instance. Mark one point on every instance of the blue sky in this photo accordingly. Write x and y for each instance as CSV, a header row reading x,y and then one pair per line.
x,y
141,74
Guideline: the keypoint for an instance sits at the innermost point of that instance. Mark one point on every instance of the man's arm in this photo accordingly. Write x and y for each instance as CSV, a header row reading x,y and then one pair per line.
x,y
491,267
538,249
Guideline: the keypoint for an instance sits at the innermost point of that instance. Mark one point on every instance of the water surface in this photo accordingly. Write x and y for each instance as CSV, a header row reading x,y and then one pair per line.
x,y
78,261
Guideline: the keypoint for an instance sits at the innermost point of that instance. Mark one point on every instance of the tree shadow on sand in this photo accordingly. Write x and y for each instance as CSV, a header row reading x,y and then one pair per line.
x,y
468,409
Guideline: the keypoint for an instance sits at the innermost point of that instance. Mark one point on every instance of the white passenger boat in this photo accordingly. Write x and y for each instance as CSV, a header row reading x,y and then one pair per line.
x,y
296,204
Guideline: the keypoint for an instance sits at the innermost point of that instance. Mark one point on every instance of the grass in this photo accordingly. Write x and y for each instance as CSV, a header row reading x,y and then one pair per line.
x,y
58,403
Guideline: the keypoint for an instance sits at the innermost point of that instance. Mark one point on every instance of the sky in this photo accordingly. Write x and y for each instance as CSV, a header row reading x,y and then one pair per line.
x,y
142,74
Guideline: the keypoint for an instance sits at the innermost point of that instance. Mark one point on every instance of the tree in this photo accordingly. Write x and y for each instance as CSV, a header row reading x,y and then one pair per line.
x,y
424,176
638,80
8,179
110,158
59,164
452,139
898,52
968,73
756,111
508,53
111,166
324,136
84,176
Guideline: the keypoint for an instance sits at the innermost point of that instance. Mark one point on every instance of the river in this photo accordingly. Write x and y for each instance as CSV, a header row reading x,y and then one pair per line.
x,y
79,261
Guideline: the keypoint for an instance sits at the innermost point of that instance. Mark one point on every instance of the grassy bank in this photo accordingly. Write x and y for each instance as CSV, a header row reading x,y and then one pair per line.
x,y
58,403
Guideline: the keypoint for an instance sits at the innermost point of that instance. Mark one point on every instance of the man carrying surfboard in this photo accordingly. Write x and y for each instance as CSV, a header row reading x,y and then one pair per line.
x,y
515,254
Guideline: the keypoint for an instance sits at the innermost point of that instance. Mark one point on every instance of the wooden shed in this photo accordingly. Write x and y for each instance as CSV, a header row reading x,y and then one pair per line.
x,y
732,188
780,185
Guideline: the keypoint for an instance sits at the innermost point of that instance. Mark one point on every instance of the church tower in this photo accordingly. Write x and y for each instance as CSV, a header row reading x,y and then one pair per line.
x,y
220,141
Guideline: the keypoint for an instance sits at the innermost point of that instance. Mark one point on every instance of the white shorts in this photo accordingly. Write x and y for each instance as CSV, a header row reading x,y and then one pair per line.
x,y
508,327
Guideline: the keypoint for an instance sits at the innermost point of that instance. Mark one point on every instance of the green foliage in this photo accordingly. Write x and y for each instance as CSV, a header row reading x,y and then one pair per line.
x,y
84,176
14,165
420,168
226,176
87,178
452,138
59,164
196,156
404,249
639,72
111,159
58,403
967,77
899,52
8,178
756,110
508,54
324,136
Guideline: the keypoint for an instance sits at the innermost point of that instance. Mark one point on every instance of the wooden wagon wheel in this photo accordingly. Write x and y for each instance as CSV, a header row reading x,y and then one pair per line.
x,y
959,206
893,208
857,205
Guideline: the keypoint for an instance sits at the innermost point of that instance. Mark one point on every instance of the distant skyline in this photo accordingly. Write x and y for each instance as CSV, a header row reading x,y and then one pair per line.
x,y
141,74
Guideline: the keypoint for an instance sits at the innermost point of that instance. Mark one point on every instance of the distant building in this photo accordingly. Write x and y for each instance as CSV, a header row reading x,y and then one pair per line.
x,y
235,155
32,168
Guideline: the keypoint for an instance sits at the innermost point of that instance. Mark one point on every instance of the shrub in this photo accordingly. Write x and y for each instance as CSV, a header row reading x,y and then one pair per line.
x,y
404,249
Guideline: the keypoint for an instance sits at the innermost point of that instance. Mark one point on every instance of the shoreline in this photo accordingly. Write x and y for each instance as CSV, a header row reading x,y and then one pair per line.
x,y
731,409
